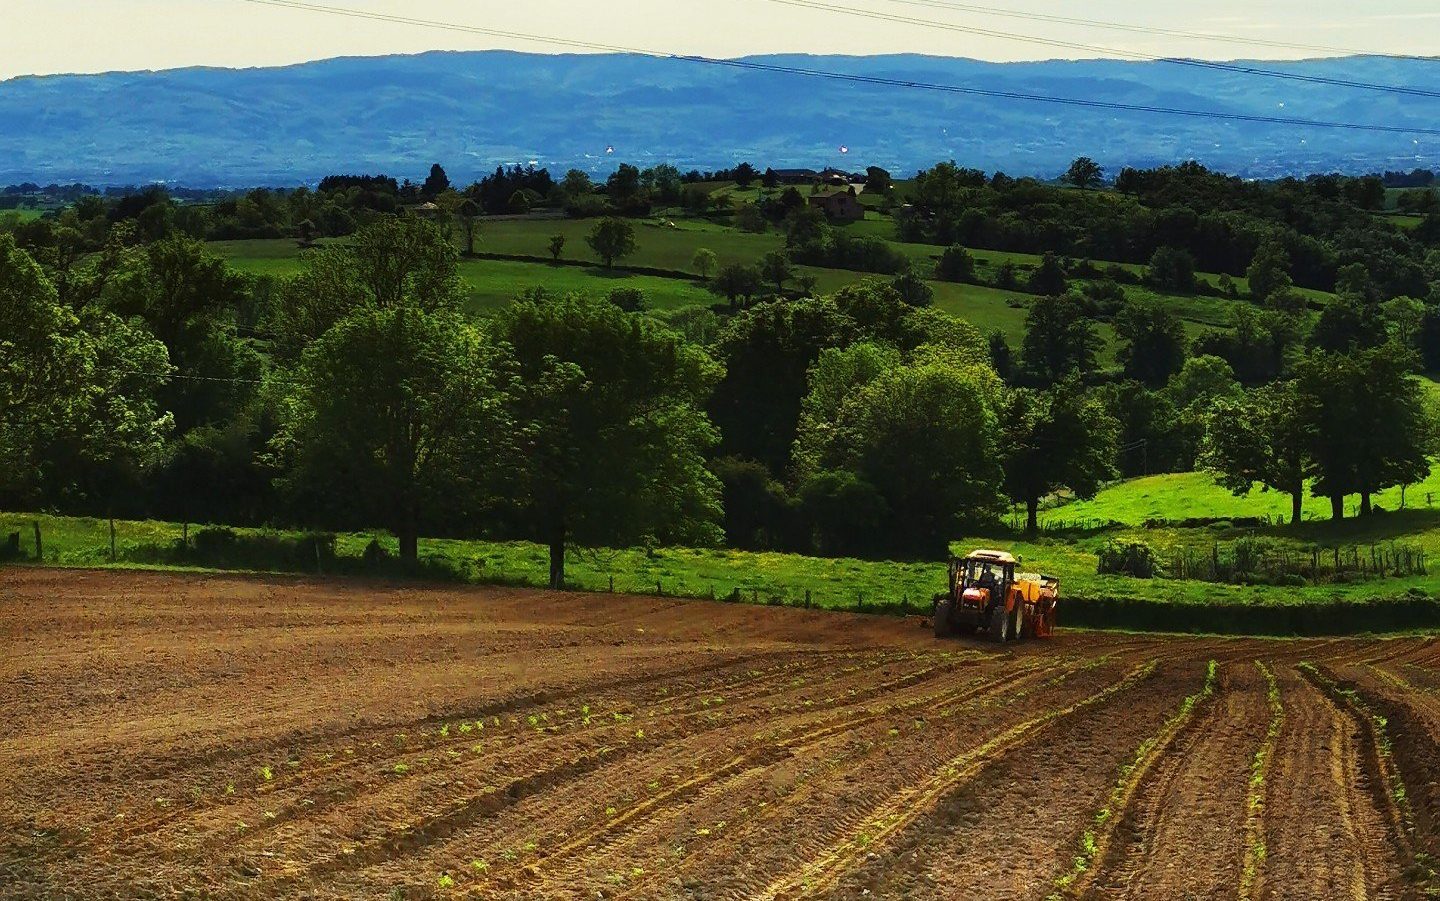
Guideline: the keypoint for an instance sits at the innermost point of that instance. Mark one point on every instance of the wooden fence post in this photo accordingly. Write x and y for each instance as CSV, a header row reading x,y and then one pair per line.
x,y
39,548
112,539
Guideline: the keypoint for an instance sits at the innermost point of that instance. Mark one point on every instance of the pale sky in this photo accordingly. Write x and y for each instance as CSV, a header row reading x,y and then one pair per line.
x,y
51,36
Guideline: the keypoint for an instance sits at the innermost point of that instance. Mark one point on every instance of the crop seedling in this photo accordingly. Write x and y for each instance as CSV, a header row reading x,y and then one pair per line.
x,y
266,773
445,881
480,866
401,769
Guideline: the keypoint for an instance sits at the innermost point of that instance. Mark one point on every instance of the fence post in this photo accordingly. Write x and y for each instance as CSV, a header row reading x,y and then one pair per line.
x,y
112,539
658,590
612,583
185,534
39,548
755,595
807,599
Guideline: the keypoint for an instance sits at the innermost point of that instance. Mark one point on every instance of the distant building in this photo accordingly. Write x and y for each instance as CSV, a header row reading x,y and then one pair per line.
x,y
840,206
795,176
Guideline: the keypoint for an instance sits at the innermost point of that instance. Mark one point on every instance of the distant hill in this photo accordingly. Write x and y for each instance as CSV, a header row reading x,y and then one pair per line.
x,y
472,111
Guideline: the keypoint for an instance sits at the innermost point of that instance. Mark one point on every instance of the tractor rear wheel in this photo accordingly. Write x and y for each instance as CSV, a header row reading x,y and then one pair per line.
x,y
941,620
1017,625
999,624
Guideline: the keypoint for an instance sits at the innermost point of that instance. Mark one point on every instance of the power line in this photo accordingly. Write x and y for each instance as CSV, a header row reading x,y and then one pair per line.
x,y
853,78
1110,51
1151,30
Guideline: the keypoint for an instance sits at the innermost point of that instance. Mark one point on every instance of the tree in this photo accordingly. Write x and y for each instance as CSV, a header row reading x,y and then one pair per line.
x,y
1049,277
704,261
188,298
1258,436
1059,341
942,413
877,180
576,184
1404,317
557,247
745,174
1172,269
1347,323
1053,440
1269,270
1084,173
77,392
749,218
468,212
912,289
1155,343
955,265
623,185
396,412
612,239
767,351
775,268
436,183
631,300
613,438
391,263
1365,423
735,280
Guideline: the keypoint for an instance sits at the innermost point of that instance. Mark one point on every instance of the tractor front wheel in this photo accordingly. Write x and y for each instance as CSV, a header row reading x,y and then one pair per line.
x,y
941,620
1017,626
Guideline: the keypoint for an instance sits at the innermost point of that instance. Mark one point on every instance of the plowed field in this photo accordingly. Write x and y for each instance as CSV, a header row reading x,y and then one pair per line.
x,y
191,736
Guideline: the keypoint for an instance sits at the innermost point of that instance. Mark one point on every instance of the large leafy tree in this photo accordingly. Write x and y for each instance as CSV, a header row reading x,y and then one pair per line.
x,y
924,436
396,414
77,392
1155,343
387,265
1084,173
1055,439
613,435
1365,423
1059,340
767,351
612,239
1259,437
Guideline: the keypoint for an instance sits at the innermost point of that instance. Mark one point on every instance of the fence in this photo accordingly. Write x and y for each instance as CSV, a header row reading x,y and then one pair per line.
x,y
1257,560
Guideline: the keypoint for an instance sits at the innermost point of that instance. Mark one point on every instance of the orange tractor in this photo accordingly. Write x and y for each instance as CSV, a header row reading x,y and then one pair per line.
x,y
986,595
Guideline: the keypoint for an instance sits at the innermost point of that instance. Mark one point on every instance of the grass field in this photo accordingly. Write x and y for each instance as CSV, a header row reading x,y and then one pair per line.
x,y
671,245
1072,536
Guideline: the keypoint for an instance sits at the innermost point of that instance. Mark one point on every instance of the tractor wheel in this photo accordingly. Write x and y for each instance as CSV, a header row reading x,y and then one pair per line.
x,y
1017,625
941,619
999,625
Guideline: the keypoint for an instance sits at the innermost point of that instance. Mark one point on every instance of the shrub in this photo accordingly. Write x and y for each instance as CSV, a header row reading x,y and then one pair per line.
x,y
955,265
1128,558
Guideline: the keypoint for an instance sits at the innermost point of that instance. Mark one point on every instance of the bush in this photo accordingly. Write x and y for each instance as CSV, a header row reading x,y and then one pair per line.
x,y
955,265
1128,558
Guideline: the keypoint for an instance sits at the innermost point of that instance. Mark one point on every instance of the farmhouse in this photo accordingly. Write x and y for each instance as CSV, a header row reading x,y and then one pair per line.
x,y
840,206
794,176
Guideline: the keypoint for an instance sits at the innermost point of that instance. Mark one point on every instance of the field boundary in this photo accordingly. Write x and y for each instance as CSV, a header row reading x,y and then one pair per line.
x,y
1403,614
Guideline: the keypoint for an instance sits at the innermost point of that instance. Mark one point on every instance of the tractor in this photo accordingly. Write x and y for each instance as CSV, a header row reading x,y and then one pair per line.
x,y
986,595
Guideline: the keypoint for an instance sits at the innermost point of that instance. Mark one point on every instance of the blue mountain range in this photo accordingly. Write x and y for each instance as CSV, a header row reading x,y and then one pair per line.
x,y
472,111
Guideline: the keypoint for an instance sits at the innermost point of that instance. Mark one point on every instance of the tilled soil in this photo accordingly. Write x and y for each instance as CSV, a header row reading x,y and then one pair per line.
x,y
204,736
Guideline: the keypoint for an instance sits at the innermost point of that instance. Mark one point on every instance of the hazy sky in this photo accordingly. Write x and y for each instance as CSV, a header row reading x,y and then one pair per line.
x,y
48,36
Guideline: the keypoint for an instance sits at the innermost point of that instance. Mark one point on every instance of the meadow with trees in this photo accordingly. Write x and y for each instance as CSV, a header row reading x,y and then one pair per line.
x,y
710,376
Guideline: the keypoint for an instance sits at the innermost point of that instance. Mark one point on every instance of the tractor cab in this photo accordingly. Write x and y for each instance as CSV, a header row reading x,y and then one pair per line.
x,y
981,577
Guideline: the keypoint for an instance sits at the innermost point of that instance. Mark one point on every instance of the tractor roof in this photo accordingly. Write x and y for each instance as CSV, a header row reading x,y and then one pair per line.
x,y
996,556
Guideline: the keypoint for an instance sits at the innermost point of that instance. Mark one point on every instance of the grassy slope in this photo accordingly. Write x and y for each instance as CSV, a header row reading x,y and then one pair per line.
x,y
672,247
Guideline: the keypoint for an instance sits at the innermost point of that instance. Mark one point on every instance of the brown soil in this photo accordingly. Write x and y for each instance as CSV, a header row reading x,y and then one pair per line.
x,y
180,735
